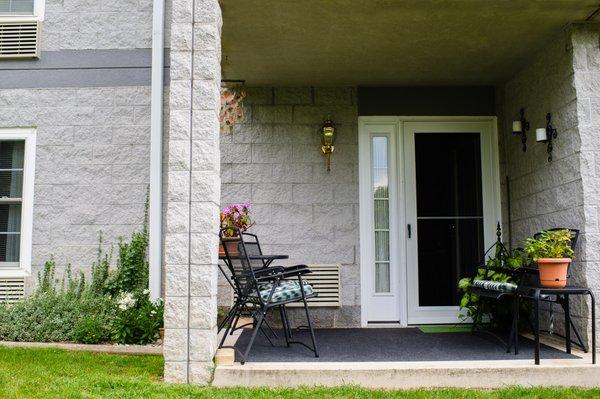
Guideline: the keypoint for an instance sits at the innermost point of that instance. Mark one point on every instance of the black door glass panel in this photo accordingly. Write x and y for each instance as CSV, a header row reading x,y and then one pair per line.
x,y
449,213
449,249
448,168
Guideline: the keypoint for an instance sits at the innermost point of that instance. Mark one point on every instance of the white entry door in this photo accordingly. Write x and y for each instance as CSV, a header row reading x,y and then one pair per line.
x,y
429,203
450,212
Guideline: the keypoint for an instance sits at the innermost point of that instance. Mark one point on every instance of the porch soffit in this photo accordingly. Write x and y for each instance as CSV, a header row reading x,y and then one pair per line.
x,y
386,42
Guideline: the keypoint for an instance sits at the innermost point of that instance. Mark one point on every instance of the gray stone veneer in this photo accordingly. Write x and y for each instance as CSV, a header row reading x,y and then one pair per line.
x,y
562,79
585,42
273,159
193,192
94,24
92,166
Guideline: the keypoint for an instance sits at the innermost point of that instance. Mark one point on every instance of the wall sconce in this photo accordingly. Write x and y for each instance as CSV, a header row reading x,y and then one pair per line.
x,y
521,127
327,141
546,135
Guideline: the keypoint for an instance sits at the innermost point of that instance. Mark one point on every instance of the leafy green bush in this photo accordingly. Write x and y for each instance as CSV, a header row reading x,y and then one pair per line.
x,y
113,306
498,312
137,320
550,244
53,314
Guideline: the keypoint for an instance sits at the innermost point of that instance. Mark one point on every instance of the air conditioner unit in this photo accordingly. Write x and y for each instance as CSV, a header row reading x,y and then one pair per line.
x,y
19,39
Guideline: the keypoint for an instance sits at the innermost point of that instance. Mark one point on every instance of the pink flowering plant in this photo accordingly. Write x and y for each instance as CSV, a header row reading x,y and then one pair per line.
x,y
236,215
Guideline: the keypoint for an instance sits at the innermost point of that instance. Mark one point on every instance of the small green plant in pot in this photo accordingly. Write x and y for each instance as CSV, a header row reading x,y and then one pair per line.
x,y
553,253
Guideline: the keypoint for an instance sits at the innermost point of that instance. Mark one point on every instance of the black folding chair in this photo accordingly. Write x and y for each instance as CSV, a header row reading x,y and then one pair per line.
x,y
262,289
253,248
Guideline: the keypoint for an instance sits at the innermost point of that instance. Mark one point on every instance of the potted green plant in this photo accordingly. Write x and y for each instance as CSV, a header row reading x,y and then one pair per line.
x,y
553,253
234,217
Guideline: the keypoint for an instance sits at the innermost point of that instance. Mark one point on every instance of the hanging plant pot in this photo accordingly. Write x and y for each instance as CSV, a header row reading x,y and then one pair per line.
x,y
553,271
232,246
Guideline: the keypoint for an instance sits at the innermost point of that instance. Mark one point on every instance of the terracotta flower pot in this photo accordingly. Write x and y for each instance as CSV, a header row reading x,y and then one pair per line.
x,y
232,246
553,271
161,333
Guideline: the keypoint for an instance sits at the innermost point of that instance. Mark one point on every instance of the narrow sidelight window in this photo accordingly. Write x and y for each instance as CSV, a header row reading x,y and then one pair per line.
x,y
381,206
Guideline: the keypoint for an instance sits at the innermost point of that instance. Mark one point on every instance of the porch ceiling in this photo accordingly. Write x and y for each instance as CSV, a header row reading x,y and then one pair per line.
x,y
387,42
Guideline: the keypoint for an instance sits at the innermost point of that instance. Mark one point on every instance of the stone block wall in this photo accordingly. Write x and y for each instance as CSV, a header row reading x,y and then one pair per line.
x,y
585,44
273,159
92,167
94,24
563,79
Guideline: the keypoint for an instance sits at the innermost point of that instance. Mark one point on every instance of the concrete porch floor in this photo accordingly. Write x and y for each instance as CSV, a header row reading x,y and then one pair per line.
x,y
486,367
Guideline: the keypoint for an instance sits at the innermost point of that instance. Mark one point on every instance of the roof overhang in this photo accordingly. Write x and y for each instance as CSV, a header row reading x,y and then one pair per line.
x,y
402,42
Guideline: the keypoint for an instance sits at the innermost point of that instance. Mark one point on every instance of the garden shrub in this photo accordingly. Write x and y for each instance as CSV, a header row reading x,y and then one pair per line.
x,y
113,307
137,319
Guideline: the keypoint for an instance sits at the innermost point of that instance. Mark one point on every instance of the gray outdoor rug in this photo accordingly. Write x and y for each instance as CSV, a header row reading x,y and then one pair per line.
x,y
389,344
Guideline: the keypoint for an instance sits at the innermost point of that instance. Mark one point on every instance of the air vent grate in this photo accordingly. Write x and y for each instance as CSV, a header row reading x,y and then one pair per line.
x,y
325,280
19,39
11,289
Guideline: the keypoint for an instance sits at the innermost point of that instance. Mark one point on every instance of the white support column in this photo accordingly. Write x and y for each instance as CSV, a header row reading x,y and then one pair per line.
x,y
156,137
191,240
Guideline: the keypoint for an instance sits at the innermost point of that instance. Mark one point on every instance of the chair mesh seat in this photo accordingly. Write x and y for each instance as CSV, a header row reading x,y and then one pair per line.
x,y
285,290
495,285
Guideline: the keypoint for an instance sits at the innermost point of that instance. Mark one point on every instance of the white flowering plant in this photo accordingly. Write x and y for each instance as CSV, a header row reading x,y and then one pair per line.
x,y
138,318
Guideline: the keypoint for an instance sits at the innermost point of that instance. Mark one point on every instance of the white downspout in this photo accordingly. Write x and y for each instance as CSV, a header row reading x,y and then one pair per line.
x,y
156,133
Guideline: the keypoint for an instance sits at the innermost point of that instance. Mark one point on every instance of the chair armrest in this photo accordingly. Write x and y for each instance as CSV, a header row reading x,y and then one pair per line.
x,y
284,274
268,270
296,271
289,268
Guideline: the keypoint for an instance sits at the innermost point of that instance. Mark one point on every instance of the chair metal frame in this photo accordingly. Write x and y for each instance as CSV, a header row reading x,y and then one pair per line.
x,y
246,282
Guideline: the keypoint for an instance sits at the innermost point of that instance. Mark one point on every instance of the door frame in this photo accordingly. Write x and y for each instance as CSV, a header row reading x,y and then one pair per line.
x,y
397,212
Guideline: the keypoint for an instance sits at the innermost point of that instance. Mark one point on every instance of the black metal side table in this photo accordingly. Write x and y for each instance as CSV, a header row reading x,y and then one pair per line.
x,y
539,294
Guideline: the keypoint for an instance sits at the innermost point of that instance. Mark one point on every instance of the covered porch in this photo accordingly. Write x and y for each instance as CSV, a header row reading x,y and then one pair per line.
x,y
406,358
376,70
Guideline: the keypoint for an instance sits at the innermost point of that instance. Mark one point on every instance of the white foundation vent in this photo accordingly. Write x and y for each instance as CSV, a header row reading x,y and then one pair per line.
x,y
12,289
19,39
325,280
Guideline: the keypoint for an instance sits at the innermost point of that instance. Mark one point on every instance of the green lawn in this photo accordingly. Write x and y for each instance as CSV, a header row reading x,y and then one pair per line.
x,y
50,373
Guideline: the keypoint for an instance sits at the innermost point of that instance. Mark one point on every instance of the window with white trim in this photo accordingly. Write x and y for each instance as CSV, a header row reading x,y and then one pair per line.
x,y
22,9
17,158
17,7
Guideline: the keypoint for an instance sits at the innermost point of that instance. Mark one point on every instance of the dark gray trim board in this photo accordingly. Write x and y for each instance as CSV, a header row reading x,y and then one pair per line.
x,y
81,68
75,59
426,101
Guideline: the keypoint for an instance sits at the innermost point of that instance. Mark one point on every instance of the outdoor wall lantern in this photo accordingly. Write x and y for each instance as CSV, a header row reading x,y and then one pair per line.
x,y
327,141
546,135
521,127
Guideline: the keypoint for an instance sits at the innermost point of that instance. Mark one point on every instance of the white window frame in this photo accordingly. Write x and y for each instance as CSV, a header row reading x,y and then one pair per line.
x,y
39,9
29,136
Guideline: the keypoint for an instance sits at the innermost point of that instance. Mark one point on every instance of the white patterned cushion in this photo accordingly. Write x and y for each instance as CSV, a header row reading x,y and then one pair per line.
x,y
286,290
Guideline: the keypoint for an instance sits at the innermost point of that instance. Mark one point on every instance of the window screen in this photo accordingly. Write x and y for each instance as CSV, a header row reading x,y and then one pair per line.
x,y
16,7
11,188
